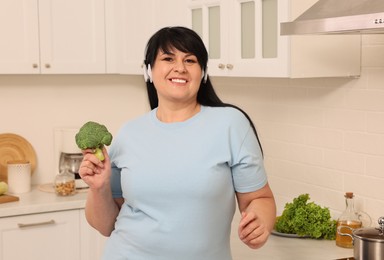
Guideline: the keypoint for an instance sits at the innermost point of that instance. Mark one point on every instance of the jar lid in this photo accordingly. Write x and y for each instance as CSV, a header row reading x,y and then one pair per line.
x,y
18,161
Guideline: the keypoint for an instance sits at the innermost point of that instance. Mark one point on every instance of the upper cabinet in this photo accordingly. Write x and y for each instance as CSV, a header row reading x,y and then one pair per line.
x,y
19,27
128,28
131,24
109,36
243,40
52,37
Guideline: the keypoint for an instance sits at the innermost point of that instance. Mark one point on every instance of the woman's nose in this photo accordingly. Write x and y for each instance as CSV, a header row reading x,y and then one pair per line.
x,y
179,67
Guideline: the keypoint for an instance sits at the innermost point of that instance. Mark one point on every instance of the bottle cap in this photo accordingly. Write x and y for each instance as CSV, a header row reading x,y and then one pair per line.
x,y
349,195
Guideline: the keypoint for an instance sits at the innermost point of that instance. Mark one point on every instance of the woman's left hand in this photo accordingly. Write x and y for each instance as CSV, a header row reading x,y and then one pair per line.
x,y
258,215
252,230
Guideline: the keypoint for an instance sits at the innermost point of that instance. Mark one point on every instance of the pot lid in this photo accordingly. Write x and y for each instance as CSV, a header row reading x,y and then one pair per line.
x,y
371,234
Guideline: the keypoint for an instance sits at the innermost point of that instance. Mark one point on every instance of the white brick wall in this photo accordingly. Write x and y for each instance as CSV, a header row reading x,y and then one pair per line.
x,y
321,136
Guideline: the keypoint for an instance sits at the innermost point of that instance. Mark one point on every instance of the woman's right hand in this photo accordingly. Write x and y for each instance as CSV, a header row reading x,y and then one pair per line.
x,y
95,173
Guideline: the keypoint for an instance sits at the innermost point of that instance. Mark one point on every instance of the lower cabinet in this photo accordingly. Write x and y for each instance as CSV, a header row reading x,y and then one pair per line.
x,y
92,242
66,235
61,235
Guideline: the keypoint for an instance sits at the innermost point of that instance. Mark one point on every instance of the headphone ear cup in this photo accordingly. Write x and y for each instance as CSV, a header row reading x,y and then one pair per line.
x,y
204,75
145,74
147,71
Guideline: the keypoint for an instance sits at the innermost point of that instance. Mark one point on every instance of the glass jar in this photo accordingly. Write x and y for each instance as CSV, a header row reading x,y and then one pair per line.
x,y
65,183
347,222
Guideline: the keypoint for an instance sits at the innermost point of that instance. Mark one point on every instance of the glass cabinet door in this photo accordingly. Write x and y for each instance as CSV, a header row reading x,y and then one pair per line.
x,y
255,48
247,29
210,22
269,28
240,35
213,31
243,39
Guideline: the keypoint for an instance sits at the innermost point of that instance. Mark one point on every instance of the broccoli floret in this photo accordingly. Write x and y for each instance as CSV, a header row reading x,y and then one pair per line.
x,y
306,219
93,135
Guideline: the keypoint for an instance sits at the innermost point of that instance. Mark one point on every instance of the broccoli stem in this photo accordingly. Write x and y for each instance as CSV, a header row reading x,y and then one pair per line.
x,y
99,154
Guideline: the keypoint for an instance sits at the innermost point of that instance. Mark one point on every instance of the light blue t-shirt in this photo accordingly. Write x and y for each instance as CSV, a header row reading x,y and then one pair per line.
x,y
179,181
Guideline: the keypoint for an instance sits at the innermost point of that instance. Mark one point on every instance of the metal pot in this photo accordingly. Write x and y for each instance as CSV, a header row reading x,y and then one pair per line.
x,y
368,243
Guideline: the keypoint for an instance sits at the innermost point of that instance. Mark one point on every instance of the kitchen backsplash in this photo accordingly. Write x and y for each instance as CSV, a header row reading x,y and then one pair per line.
x,y
320,136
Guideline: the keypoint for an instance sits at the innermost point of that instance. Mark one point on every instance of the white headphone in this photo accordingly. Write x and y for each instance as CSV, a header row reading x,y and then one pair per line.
x,y
204,74
148,74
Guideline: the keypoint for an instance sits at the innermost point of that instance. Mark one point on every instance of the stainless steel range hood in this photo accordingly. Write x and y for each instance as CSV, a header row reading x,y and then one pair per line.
x,y
339,17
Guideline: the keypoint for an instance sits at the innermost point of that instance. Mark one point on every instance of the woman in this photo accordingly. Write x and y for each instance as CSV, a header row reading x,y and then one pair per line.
x,y
167,190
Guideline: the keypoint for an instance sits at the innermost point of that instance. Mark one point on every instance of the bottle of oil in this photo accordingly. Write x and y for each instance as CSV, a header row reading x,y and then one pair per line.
x,y
349,218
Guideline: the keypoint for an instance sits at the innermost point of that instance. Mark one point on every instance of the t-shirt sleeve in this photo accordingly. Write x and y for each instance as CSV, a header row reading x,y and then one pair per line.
x,y
248,170
116,182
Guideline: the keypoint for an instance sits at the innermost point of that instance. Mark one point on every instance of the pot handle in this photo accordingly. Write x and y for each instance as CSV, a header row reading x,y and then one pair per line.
x,y
381,225
345,234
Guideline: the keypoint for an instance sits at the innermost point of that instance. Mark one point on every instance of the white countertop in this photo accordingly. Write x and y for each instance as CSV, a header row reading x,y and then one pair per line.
x,y
38,201
282,248
277,248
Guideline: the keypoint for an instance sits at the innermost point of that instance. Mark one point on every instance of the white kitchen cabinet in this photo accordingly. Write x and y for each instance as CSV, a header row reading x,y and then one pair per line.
x,y
52,37
130,25
243,39
19,27
128,29
92,242
59,235
41,236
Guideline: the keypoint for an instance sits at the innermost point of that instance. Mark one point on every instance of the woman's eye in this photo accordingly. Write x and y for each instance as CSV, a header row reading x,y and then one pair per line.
x,y
167,59
190,61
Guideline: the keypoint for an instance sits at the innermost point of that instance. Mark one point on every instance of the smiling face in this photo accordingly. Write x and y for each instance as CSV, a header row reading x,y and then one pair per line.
x,y
176,76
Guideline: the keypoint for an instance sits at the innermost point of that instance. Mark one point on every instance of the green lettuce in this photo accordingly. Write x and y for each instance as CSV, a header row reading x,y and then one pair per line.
x,y
306,219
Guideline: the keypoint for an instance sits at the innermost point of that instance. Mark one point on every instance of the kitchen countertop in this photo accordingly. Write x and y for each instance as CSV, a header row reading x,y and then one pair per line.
x,y
38,201
277,248
283,248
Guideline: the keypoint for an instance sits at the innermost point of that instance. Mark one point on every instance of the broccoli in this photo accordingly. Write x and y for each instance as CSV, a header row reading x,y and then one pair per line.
x,y
93,135
306,219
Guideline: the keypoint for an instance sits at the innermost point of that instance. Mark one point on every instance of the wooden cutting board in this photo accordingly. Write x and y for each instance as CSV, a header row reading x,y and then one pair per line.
x,y
8,198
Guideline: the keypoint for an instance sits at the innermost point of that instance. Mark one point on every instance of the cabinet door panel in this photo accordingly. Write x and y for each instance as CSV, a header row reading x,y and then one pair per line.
x,y
258,51
209,19
92,242
128,32
129,27
137,27
72,36
41,236
19,47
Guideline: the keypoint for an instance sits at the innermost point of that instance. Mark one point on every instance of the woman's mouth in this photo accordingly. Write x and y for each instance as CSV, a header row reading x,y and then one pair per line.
x,y
175,80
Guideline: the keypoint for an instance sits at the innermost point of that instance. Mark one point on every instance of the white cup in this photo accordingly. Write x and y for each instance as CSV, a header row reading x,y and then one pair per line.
x,y
19,176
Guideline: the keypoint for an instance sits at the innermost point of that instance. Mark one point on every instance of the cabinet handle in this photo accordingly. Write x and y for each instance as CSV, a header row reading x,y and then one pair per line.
x,y
229,66
49,222
221,66
47,65
34,65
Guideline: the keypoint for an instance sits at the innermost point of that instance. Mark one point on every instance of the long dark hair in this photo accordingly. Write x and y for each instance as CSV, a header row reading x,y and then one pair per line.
x,y
188,41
